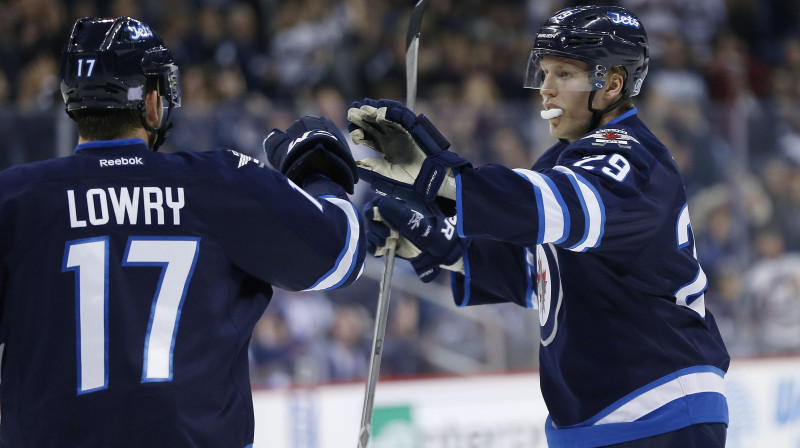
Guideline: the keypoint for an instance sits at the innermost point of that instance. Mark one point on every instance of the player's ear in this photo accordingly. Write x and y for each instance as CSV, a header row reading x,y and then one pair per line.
x,y
613,87
153,108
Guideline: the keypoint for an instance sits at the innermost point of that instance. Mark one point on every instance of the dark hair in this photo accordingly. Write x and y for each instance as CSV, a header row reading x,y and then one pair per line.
x,y
106,124
110,124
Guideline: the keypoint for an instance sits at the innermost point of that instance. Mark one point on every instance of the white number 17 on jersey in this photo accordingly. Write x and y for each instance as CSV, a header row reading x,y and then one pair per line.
x,y
89,259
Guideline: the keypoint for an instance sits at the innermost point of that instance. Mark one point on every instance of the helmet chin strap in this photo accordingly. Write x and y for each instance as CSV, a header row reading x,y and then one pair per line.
x,y
597,115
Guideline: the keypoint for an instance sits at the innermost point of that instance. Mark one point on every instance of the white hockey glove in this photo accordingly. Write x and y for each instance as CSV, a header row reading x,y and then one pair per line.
x,y
416,165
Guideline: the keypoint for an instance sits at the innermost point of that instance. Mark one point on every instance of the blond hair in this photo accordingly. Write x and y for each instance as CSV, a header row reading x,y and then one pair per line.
x,y
627,103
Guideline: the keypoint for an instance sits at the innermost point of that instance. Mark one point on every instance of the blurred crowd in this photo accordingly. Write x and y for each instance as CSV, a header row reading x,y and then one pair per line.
x,y
722,93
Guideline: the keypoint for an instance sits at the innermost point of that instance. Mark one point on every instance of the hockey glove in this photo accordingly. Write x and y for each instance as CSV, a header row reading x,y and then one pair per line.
x,y
312,145
428,243
416,166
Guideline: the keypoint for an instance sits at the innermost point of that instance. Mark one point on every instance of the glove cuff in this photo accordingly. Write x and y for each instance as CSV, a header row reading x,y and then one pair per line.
x,y
433,174
429,139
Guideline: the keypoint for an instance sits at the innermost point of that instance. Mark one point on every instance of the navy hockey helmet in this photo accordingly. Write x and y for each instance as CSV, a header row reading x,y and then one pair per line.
x,y
106,65
602,36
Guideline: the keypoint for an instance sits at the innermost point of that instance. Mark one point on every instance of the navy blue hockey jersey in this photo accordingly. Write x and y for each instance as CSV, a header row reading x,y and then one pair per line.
x,y
131,282
597,237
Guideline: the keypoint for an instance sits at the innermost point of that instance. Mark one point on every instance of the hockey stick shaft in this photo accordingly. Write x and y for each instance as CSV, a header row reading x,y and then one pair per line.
x,y
381,314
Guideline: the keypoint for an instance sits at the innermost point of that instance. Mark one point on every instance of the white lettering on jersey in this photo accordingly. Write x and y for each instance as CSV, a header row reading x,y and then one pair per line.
x,y
122,161
124,202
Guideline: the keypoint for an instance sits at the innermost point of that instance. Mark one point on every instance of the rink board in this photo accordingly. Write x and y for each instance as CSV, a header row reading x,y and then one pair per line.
x,y
498,411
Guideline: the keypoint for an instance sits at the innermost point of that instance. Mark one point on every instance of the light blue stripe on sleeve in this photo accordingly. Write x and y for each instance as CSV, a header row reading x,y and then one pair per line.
x,y
529,269
467,282
459,207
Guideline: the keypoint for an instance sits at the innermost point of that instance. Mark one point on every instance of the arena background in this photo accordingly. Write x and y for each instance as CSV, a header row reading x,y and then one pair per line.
x,y
722,93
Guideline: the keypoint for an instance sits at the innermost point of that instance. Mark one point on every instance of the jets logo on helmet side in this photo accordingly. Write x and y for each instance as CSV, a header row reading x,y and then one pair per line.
x,y
139,31
624,19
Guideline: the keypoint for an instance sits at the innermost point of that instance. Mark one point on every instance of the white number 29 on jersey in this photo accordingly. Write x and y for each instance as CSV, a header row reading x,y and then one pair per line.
x,y
691,294
89,259
614,166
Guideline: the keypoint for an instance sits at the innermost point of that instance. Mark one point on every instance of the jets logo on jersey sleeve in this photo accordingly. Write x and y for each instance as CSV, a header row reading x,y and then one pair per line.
x,y
607,136
545,293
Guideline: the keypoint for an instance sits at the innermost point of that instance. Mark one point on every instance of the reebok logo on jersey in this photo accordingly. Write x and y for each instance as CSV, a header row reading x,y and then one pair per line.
x,y
122,161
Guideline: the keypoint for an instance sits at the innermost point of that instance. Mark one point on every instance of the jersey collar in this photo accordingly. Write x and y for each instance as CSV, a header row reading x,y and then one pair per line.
x,y
627,114
98,144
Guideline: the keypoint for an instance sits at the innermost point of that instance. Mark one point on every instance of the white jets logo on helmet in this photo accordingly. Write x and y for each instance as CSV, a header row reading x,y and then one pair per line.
x,y
623,19
139,32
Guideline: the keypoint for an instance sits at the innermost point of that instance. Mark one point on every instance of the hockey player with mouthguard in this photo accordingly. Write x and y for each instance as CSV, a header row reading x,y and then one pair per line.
x,y
596,236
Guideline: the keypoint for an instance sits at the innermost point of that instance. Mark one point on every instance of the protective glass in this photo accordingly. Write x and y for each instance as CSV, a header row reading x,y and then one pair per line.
x,y
561,76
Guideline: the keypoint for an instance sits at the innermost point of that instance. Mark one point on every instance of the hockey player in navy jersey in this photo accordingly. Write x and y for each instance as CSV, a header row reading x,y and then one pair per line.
x,y
596,236
131,279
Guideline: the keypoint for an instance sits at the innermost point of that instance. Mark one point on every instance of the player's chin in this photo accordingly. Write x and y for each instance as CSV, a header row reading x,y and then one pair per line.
x,y
555,130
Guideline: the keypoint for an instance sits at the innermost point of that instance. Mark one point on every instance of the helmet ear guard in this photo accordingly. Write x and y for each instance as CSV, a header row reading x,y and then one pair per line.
x,y
158,62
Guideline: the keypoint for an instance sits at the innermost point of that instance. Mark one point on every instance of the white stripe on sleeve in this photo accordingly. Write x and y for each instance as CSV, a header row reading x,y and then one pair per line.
x,y
303,192
346,260
593,208
552,207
